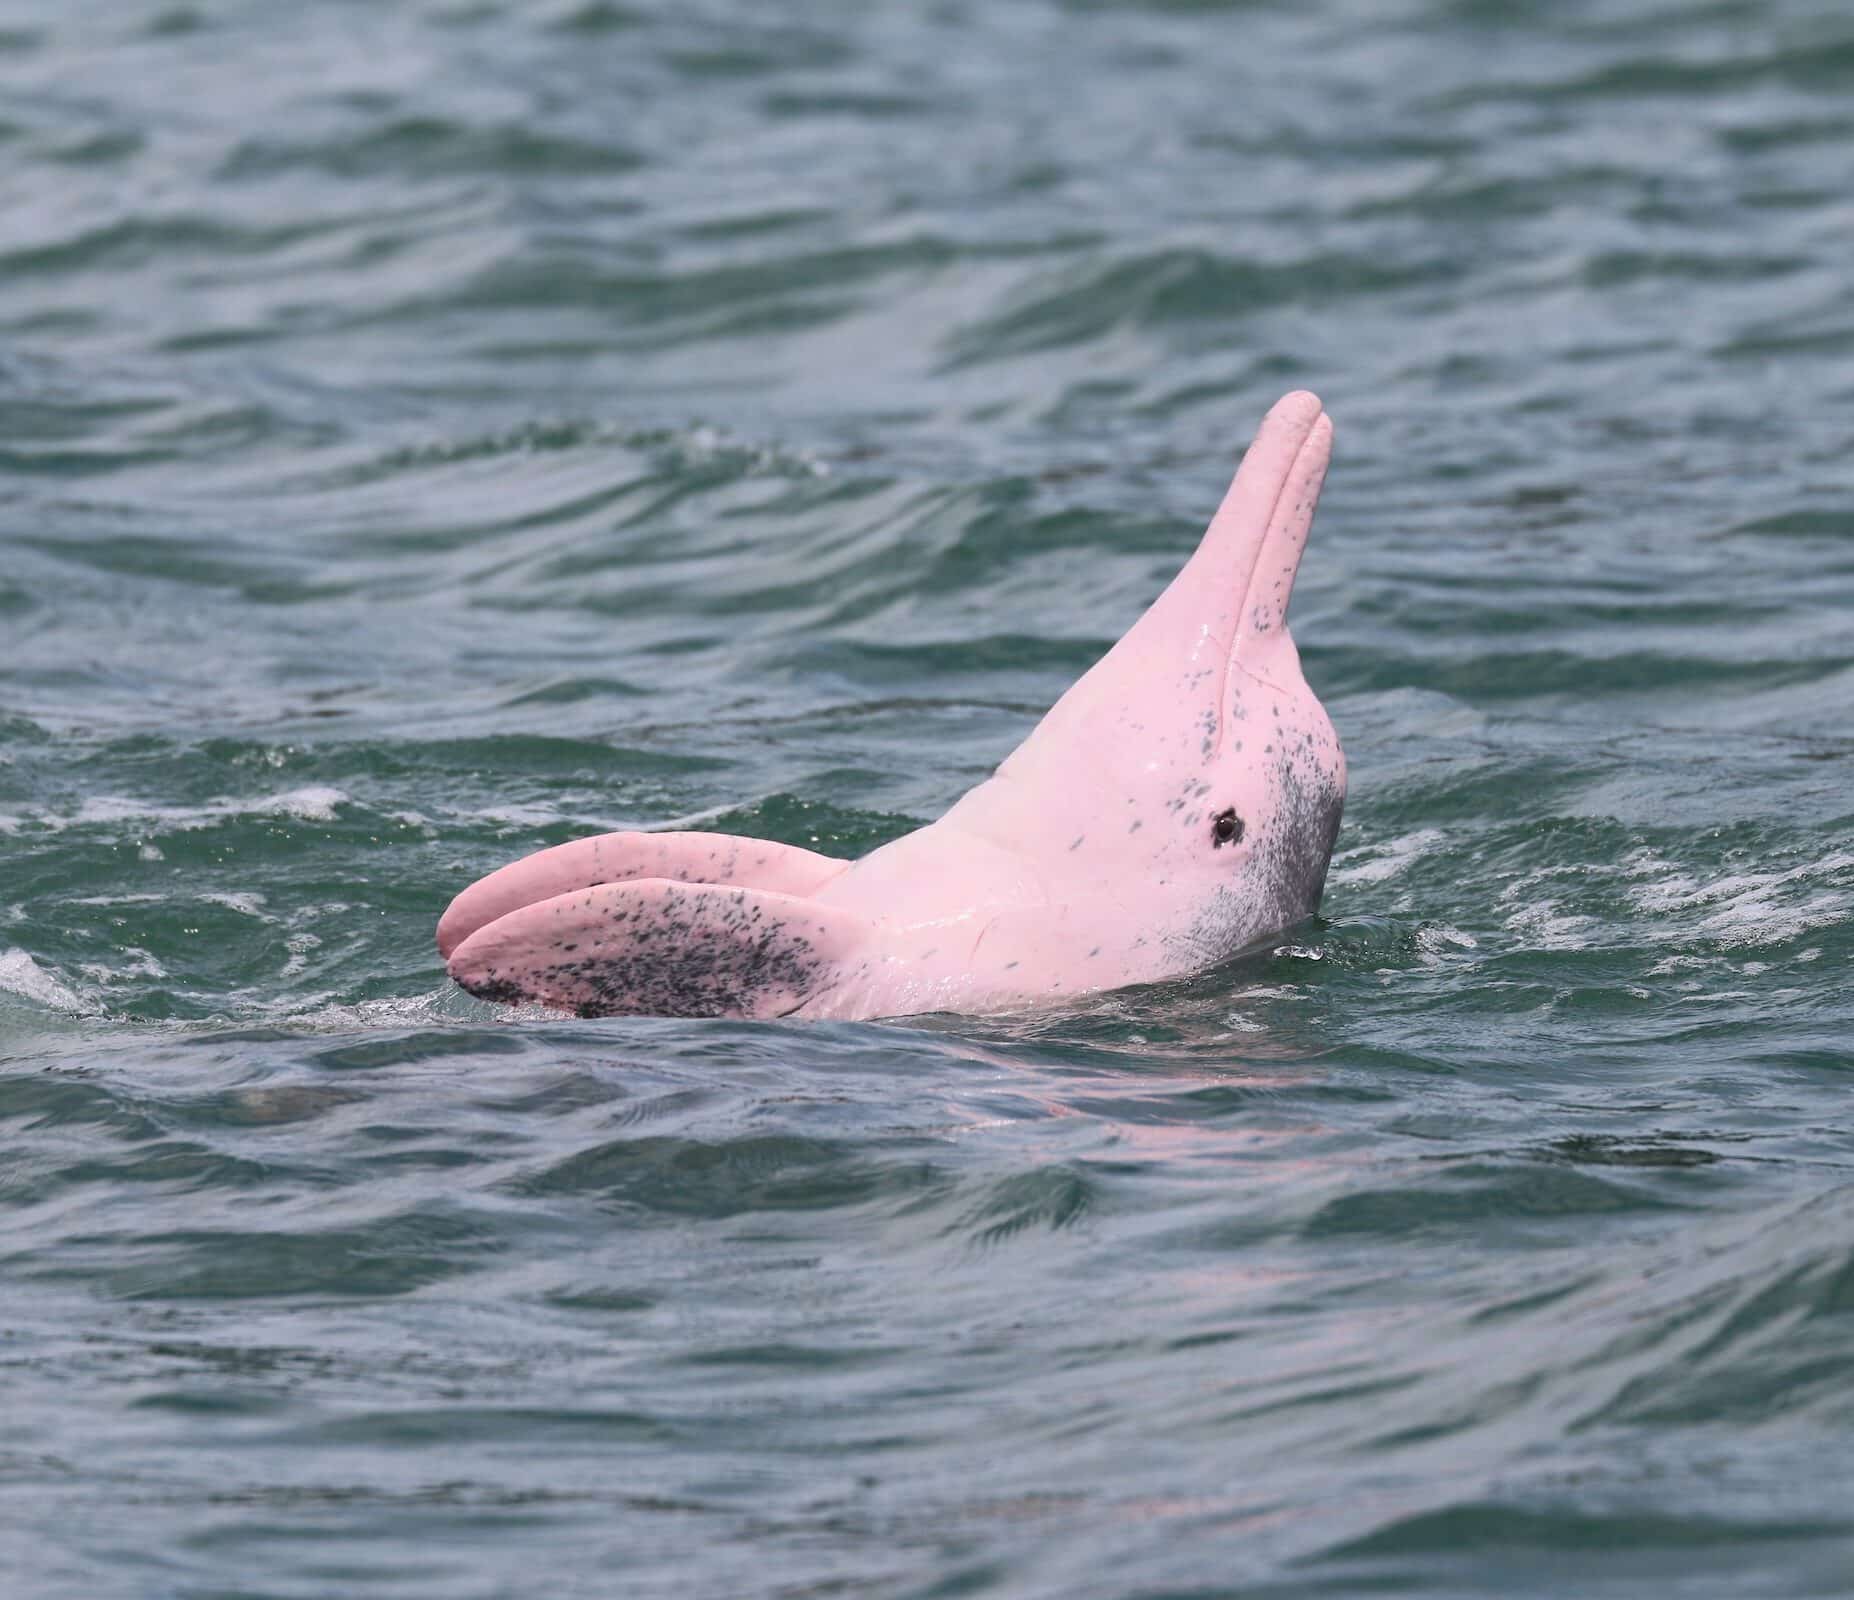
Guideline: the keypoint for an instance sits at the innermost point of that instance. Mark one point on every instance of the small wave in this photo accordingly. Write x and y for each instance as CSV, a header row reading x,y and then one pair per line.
x,y
133,241
1753,907
1545,925
246,905
313,803
1076,305
21,975
140,963
435,1009
1373,863
422,147
1438,942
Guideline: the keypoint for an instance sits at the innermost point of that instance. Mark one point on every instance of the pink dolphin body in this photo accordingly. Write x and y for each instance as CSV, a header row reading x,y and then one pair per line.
x,y
1177,806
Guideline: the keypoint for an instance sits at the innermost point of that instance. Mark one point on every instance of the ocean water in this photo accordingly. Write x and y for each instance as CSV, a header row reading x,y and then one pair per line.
x,y
429,431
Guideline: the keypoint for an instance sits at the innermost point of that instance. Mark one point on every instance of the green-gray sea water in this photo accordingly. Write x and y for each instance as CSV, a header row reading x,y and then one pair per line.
x,y
434,430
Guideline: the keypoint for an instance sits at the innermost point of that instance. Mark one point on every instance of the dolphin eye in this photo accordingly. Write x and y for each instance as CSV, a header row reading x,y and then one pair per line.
x,y
1225,828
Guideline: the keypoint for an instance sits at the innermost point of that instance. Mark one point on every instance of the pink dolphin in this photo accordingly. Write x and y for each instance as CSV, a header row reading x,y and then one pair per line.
x,y
1177,806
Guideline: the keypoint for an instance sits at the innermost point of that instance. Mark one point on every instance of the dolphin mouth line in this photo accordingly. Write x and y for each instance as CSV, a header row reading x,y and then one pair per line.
x,y
1241,633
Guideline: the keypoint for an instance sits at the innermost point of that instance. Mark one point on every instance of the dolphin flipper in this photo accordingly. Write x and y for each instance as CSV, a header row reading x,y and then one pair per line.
x,y
620,857
656,948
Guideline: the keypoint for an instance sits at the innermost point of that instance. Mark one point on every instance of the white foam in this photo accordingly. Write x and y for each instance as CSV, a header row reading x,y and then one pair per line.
x,y
1545,927
142,964
323,1014
1437,939
299,945
1540,920
1748,907
521,816
21,975
247,905
699,819
1667,966
1373,863
314,803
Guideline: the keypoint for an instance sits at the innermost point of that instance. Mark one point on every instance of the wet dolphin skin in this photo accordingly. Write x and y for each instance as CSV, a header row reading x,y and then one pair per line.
x,y
1177,806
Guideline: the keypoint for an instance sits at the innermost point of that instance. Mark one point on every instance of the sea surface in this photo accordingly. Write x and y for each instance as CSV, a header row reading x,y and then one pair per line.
x,y
431,431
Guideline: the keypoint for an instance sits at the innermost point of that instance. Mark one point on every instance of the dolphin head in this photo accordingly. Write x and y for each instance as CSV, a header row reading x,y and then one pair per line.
x,y
1189,786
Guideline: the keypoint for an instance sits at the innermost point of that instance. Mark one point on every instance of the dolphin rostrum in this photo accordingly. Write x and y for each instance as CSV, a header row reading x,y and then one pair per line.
x,y
1176,807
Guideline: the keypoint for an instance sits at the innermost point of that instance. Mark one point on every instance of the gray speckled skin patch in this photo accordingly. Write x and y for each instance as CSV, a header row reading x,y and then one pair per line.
x,y
1283,875
658,949
1287,871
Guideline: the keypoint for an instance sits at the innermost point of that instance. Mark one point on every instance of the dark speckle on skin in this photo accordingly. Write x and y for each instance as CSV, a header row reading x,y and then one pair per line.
x,y
499,991
1078,841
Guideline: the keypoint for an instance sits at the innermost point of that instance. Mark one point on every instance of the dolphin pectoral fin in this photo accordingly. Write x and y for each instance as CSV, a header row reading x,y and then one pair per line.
x,y
656,948
620,857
